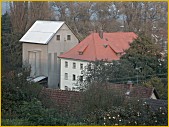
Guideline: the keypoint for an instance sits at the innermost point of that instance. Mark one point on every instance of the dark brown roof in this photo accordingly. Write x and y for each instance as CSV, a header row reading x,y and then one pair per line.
x,y
60,97
135,90
156,104
64,97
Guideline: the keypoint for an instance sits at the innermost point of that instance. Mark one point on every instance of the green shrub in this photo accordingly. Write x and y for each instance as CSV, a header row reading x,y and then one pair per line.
x,y
15,122
15,90
36,114
133,114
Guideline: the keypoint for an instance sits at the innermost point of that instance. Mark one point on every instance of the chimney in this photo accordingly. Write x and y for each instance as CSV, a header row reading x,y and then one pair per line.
x,y
101,34
130,84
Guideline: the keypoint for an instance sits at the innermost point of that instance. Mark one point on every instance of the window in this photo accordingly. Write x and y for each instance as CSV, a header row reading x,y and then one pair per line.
x,y
66,87
66,64
80,53
57,37
74,65
68,37
81,78
81,66
74,77
66,76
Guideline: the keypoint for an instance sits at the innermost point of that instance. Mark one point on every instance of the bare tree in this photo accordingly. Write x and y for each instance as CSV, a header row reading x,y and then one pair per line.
x,y
19,16
39,11
24,14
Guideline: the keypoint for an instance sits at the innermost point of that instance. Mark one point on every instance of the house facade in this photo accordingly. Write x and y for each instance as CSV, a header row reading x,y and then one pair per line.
x,y
41,46
96,46
71,71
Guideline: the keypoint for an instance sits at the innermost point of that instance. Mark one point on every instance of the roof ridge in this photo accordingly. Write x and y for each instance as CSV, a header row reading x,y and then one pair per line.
x,y
48,21
41,32
97,48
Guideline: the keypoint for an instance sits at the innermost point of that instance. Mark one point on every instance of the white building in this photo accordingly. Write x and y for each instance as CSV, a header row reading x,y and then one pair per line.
x,y
102,46
42,44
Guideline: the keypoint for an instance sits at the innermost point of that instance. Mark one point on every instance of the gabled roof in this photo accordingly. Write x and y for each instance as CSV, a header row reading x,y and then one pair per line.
x,y
135,91
66,98
41,32
60,97
157,103
94,48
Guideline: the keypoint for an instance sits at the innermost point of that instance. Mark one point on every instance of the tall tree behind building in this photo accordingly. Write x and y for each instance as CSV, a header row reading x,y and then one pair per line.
x,y
21,16
146,17
39,11
24,14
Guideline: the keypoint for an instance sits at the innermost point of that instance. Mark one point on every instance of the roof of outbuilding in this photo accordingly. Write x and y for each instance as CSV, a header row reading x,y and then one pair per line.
x,y
94,48
41,32
64,97
135,90
156,103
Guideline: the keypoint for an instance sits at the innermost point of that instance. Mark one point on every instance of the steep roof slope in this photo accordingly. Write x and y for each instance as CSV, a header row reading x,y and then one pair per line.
x,y
41,32
93,48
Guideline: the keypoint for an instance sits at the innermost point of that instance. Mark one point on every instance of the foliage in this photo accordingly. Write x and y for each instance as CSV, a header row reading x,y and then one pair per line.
x,y
36,114
142,61
98,106
102,106
132,114
96,98
103,71
11,48
144,53
158,85
147,17
15,90
6,23
122,71
15,122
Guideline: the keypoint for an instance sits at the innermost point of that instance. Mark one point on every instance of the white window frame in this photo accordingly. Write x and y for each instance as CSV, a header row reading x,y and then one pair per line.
x,y
74,65
66,64
66,76
81,66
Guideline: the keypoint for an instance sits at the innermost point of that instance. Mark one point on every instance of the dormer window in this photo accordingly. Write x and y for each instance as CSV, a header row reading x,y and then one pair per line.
x,y
119,54
58,37
80,53
68,37
105,45
82,49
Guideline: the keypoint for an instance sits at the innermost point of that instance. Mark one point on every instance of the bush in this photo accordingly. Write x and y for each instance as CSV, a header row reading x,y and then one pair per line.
x,y
132,114
15,90
97,98
15,122
36,114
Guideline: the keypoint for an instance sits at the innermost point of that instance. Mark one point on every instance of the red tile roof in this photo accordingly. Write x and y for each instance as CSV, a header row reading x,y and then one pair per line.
x,y
94,48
